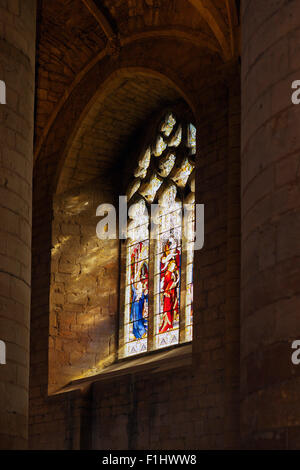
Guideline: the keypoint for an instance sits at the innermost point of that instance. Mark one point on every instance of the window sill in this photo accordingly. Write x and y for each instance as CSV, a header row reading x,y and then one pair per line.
x,y
155,362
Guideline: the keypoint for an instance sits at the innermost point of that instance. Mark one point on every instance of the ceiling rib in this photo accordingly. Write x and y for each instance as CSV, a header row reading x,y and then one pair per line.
x,y
214,19
101,19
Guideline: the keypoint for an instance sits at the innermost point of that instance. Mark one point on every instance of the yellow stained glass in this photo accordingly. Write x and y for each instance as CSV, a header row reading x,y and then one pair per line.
x,y
160,146
166,165
175,141
192,133
182,174
143,165
150,189
168,125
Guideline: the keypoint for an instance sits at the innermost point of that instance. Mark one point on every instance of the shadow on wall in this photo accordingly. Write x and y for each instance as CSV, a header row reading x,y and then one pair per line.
x,y
84,287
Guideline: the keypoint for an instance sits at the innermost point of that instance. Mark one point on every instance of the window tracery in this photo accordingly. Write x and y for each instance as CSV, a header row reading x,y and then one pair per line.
x,y
159,251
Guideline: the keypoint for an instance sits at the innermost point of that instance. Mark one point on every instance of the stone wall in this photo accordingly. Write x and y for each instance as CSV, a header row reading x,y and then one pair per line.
x,y
147,411
216,269
189,407
84,286
270,276
17,70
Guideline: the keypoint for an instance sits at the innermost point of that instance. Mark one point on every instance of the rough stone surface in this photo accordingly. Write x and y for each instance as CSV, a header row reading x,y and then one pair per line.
x,y
270,272
164,410
84,287
17,70
95,101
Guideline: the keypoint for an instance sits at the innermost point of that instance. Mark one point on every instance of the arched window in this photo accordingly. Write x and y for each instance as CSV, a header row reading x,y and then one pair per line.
x,y
158,307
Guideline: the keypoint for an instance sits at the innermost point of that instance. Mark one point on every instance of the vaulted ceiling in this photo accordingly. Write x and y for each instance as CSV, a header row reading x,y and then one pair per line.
x,y
74,35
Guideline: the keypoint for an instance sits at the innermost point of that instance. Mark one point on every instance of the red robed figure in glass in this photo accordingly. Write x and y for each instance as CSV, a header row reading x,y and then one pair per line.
x,y
170,264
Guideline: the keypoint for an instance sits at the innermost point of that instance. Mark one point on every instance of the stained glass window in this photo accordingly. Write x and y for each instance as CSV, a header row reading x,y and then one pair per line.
x,y
190,229
168,270
168,124
167,164
192,138
137,281
182,174
143,165
149,189
158,307
160,146
176,139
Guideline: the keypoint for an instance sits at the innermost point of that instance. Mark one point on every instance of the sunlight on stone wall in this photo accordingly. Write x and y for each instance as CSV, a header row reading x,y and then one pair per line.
x,y
84,283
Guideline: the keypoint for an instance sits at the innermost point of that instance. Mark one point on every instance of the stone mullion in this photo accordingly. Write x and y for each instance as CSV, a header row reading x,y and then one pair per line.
x,y
232,321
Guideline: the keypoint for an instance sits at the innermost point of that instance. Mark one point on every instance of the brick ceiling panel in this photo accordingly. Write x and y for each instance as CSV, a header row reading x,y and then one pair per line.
x,y
75,34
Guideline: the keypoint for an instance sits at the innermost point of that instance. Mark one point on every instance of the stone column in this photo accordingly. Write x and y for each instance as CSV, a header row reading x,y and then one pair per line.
x,y
17,70
233,264
270,191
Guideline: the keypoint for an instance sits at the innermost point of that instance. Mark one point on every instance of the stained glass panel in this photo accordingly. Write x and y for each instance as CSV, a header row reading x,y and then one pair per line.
x,y
192,133
164,182
166,165
168,125
189,294
183,173
150,189
175,141
167,277
190,228
140,172
160,146
136,317
138,225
